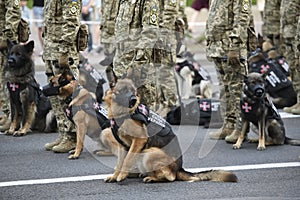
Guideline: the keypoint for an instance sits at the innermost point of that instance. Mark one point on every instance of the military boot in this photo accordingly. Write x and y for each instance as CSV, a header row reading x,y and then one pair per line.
x,y
232,138
296,109
68,143
50,145
221,133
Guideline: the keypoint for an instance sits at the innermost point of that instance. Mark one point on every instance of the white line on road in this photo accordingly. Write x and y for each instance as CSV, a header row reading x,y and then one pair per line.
x,y
103,176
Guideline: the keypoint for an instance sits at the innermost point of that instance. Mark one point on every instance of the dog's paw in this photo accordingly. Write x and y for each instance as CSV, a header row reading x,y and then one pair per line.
x,y
19,133
149,179
8,133
261,148
73,157
236,146
122,176
110,179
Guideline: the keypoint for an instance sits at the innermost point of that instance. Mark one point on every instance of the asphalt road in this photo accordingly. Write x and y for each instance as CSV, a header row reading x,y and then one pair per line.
x,y
30,172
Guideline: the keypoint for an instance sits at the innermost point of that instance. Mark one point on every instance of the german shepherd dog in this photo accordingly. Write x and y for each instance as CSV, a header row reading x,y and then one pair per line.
x,y
23,89
147,141
258,109
86,113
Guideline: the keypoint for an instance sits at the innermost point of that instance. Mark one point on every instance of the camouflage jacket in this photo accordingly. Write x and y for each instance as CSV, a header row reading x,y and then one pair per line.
x,y
227,27
109,12
289,12
10,16
61,25
271,17
137,24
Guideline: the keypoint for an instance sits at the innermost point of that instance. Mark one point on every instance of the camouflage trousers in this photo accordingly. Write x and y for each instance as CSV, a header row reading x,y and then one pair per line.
x,y
4,95
167,95
58,105
230,83
294,65
141,72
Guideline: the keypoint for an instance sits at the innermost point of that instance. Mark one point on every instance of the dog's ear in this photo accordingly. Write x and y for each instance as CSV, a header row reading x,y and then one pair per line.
x,y
29,46
243,77
10,44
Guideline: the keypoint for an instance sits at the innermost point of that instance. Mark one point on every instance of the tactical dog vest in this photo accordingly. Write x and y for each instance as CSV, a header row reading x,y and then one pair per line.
x,y
276,79
91,107
156,126
250,108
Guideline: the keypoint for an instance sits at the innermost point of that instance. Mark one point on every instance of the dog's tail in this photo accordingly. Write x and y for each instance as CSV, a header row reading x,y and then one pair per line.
x,y
292,141
211,175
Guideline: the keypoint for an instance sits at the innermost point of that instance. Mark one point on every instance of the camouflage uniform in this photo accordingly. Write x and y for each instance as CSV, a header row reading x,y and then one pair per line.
x,y
61,24
289,19
109,11
136,32
271,19
165,56
10,15
227,29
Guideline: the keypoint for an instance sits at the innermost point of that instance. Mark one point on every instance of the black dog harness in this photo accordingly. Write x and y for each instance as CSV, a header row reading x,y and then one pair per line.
x,y
95,110
250,107
16,88
156,126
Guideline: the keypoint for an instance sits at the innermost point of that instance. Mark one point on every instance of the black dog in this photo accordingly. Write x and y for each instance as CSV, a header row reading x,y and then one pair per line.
x,y
24,91
258,109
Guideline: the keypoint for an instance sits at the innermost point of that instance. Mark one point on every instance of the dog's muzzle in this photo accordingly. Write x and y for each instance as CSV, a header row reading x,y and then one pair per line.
x,y
50,90
11,61
126,100
259,90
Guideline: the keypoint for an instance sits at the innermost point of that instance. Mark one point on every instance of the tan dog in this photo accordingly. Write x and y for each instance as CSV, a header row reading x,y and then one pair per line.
x,y
82,112
257,108
148,142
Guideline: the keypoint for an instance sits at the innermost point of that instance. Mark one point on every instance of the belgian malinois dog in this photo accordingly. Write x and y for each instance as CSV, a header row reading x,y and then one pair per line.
x,y
148,142
257,108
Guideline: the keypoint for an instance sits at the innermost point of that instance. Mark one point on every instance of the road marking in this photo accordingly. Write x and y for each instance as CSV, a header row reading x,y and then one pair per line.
x,y
103,176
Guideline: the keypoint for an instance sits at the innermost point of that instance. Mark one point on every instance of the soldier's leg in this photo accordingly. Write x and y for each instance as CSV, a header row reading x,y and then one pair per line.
x,y
63,123
167,89
234,111
295,75
4,96
229,120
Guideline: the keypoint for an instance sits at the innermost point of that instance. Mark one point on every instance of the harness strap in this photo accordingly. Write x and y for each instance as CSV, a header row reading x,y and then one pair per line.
x,y
114,130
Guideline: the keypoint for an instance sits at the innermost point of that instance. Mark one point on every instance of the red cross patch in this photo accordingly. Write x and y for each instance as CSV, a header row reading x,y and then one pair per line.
x,y
205,106
264,68
143,109
96,105
13,86
88,67
246,107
